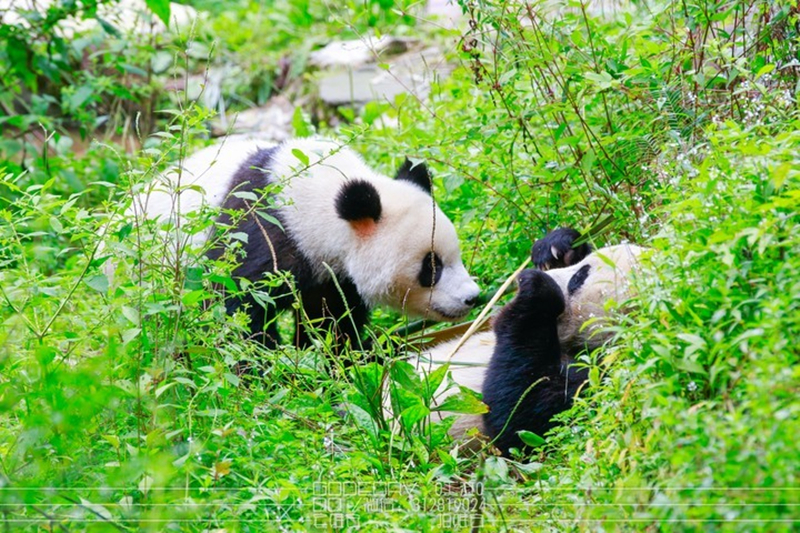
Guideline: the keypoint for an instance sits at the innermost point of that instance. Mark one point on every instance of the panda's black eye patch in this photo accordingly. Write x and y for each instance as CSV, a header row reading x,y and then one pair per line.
x,y
577,279
431,271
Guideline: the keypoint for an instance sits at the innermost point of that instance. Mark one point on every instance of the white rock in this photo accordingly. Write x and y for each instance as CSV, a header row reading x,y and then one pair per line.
x,y
357,52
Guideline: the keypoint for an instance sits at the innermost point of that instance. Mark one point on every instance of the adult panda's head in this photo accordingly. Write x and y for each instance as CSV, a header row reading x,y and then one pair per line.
x,y
407,252
387,235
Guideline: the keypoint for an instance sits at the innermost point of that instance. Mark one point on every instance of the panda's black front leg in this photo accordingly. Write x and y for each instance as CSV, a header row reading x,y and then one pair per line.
x,y
326,310
557,249
524,384
263,327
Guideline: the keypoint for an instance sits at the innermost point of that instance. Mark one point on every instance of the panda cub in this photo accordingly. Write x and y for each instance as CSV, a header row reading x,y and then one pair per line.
x,y
529,377
527,382
383,241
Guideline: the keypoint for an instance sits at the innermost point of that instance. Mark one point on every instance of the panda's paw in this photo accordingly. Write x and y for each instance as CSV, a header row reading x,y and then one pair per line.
x,y
555,250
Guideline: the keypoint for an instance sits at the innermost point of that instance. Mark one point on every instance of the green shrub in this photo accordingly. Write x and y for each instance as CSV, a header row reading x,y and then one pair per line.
x,y
673,125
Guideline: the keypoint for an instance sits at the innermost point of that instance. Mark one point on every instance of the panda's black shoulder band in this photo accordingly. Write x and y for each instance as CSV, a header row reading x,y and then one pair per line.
x,y
417,174
358,200
577,280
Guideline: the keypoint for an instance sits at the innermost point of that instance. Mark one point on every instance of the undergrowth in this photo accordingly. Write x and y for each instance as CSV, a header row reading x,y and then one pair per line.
x,y
673,125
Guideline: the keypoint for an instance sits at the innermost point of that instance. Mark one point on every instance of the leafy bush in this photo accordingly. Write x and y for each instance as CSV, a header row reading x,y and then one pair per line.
x,y
674,125
700,381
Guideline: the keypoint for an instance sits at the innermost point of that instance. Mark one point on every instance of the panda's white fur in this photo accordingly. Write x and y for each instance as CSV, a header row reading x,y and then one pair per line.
x,y
586,308
382,259
203,179
467,368
608,280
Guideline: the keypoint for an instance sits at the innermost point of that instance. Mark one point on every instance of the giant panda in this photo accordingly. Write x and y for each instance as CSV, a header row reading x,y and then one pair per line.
x,y
527,358
345,229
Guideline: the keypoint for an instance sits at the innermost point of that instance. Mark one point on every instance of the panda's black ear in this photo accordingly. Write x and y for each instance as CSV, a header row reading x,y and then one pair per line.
x,y
415,173
358,200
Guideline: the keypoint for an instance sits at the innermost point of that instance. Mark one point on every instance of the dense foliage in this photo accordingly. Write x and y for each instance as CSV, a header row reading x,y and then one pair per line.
x,y
674,125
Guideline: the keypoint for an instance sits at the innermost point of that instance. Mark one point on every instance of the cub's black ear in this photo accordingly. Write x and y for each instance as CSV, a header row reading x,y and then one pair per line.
x,y
418,174
358,200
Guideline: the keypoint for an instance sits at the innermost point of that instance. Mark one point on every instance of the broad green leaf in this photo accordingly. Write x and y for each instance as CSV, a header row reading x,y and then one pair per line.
x,y
603,80
56,225
79,97
131,314
414,414
160,8
129,334
98,282
530,438
434,379
465,401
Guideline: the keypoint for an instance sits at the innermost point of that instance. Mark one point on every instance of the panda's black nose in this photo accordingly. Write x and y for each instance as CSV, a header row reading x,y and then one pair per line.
x,y
472,302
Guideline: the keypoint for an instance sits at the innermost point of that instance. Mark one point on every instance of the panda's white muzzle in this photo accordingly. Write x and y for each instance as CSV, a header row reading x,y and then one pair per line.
x,y
455,295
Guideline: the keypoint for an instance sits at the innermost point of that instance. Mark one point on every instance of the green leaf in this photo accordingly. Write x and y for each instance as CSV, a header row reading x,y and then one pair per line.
x,y
239,236
98,283
45,355
692,367
130,334
347,113
301,126
56,225
160,8
373,110
79,97
210,413
164,388
97,509
413,414
271,219
766,69
161,61
466,401
18,54
108,27
131,314
362,419
302,157
405,375
603,80
133,69
113,440
780,174
191,298
434,379
233,379
245,195
225,281
529,468
530,438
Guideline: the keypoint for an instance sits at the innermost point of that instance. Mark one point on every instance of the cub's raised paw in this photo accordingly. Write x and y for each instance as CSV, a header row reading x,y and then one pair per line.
x,y
538,294
555,250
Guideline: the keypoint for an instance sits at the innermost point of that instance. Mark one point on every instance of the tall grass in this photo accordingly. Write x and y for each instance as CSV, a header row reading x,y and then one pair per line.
x,y
670,124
